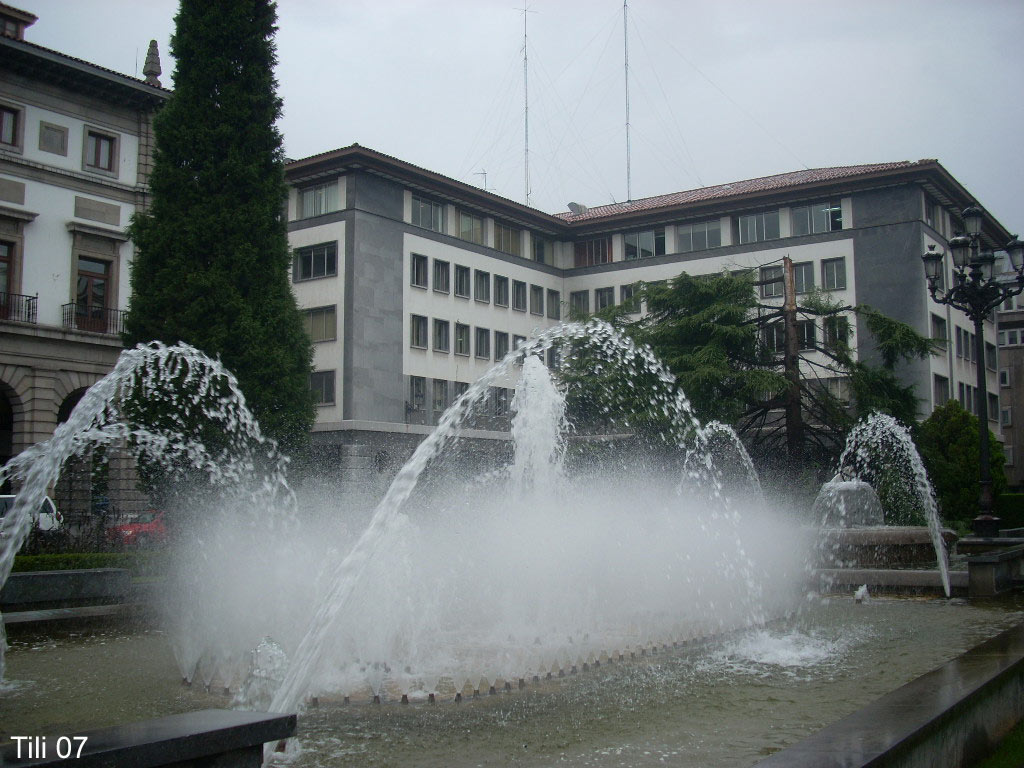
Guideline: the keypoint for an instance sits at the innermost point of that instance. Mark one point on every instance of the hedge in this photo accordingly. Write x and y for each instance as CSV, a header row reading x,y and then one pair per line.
x,y
139,563
1009,508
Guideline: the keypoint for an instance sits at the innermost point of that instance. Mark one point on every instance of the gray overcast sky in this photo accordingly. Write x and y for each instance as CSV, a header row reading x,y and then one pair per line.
x,y
719,91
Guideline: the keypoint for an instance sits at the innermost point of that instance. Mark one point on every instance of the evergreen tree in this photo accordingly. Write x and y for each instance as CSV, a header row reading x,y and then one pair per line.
x,y
711,333
948,443
212,261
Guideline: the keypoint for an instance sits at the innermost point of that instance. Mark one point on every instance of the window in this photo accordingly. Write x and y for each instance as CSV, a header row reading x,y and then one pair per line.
x,y
833,274
772,284
1011,338
441,341
418,271
471,227
440,396
93,294
803,276
10,127
993,408
100,152
554,357
590,252
755,227
321,324
500,345
542,250
603,297
698,236
317,200
418,331
959,342
462,281
807,334
6,273
1001,338
579,302
554,305
483,343
643,245
519,295
500,291
536,300
507,239
322,385
482,288
417,393
991,361
427,214
315,261
461,339
940,333
837,332
518,341
442,276
1008,453
499,401
819,217
1004,377
53,138
459,388
775,337
941,390
626,297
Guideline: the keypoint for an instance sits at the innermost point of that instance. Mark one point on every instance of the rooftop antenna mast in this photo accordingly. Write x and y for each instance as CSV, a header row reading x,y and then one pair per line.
x,y
482,172
625,45
526,115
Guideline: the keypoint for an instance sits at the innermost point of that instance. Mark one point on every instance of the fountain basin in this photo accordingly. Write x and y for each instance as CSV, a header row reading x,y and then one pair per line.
x,y
729,701
883,546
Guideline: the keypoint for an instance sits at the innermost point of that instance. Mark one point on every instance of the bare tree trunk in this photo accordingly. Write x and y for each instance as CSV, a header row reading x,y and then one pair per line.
x,y
791,365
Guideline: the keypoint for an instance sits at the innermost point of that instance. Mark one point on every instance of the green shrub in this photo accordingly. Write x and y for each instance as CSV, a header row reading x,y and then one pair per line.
x,y
141,564
1009,508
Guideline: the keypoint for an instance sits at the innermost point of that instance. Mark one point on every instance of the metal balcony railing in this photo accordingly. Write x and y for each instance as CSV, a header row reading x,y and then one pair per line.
x,y
17,307
93,319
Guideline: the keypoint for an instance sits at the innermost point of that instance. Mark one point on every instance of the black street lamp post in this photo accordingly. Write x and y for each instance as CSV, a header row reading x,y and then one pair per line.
x,y
976,292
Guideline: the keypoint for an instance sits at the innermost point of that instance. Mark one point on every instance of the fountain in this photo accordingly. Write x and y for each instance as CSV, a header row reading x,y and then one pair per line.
x,y
570,559
880,457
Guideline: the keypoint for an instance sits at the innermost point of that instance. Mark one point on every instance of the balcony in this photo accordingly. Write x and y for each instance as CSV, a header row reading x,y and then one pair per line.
x,y
19,308
93,319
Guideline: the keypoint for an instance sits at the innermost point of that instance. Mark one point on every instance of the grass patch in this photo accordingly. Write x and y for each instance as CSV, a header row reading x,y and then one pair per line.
x,y
1009,753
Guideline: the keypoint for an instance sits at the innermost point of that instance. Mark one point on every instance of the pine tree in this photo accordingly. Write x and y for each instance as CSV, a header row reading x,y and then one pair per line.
x,y
211,261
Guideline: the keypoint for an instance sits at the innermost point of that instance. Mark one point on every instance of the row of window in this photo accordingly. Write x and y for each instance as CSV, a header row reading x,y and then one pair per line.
x,y
833,277
699,236
478,284
99,150
968,397
439,338
429,214
1011,337
444,393
835,334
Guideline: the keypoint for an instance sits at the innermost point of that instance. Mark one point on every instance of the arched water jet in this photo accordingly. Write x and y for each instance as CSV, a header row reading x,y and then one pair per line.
x,y
663,405
878,446
185,388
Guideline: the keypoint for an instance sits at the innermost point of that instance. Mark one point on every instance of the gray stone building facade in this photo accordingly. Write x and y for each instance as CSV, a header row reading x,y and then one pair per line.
x,y
414,284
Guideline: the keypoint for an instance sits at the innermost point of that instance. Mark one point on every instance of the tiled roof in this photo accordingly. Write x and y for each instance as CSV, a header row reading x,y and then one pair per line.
x,y
777,182
88,65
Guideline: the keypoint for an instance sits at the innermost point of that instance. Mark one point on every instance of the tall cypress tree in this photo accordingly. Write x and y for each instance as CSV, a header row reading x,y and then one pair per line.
x,y
211,253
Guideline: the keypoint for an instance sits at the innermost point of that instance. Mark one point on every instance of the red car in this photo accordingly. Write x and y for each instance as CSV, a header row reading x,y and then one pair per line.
x,y
142,529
